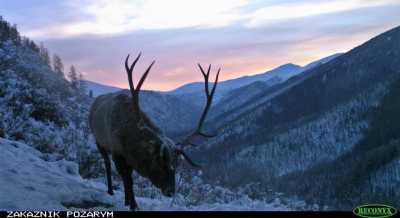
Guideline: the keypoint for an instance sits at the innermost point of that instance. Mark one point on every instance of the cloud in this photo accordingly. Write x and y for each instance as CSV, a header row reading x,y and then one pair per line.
x,y
64,19
121,16
276,13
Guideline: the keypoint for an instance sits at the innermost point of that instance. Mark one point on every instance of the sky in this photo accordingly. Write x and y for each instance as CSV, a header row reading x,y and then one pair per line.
x,y
243,37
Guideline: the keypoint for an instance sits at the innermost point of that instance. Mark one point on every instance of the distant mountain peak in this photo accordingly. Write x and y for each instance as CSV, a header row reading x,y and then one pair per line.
x,y
288,66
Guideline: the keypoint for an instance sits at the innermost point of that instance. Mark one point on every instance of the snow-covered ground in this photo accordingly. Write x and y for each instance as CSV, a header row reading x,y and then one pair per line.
x,y
28,182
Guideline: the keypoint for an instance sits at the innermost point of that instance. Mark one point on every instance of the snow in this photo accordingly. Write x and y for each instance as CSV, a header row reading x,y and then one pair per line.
x,y
30,183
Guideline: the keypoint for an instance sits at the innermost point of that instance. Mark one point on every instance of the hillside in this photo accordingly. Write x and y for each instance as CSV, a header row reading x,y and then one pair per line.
x,y
38,106
310,119
245,98
172,114
233,94
372,164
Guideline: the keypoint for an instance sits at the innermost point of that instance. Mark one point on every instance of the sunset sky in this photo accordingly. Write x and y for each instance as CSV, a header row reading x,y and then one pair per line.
x,y
242,36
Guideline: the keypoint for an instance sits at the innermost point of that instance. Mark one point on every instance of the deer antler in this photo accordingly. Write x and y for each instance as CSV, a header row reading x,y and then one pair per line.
x,y
209,98
135,92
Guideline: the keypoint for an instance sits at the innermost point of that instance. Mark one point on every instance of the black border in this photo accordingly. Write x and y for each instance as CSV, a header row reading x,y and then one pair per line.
x,y
214,214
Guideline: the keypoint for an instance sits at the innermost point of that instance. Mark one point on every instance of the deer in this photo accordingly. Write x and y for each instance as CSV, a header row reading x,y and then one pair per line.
x,y
121,129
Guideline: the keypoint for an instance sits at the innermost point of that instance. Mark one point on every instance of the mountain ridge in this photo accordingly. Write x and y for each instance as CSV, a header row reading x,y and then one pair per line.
x,y
283,72
314,117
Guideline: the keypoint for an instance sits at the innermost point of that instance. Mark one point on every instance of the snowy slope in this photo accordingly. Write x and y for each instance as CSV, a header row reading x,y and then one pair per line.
x,y
30,183
313,118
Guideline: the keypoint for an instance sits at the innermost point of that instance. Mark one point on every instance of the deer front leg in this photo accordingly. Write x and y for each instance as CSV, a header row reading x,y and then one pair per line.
x,y
131,194
125,172
107,164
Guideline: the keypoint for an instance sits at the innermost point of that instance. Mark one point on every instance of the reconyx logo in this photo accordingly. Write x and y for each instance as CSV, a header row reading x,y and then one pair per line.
x,y
374,210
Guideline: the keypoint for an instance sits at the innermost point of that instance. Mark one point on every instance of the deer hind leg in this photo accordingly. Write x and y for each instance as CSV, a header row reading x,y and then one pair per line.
x,y
126,173
107,164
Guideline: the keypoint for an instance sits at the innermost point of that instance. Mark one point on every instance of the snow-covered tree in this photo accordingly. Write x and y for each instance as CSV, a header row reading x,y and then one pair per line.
x,y
58,66
44,54
73,77
82,84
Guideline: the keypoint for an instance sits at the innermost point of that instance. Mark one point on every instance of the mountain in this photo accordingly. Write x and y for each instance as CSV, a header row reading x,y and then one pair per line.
x,y
193,93
170,113
282,72
311,119
100,89
240,99
225,95
173,115
176,114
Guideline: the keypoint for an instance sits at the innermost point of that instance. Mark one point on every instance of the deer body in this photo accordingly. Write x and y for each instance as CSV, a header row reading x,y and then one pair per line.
x,y
134,142
116,130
